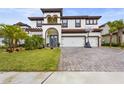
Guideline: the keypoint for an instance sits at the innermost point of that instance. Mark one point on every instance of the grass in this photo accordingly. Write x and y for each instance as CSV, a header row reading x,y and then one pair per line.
x,y
30,60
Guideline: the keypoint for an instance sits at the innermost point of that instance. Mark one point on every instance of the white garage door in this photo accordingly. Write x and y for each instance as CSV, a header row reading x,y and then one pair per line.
x,y
93,41
73,41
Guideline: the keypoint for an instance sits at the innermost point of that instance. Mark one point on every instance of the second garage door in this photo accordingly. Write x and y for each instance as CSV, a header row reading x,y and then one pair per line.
x,y
68,41
94,41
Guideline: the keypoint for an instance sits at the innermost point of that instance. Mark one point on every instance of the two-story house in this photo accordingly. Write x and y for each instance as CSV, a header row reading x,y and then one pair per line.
x,y
68,31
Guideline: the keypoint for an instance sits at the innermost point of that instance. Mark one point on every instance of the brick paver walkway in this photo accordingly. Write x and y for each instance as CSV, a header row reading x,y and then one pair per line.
x,y
92,59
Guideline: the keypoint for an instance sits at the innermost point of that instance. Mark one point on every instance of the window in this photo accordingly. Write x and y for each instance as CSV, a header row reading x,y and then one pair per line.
x,y
49,19
39,24
91,22
78,23
55,19
87,21
64,23
95,21
52,19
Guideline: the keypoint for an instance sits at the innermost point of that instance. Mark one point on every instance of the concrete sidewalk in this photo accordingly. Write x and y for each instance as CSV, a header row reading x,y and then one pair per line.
x,y
62,77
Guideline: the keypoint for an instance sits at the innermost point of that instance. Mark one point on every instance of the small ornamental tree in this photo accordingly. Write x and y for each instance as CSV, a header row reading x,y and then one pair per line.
x,y
111,30
12,34
119,24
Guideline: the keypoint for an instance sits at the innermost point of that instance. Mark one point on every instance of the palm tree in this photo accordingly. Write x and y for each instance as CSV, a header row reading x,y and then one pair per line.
x,y
13,34
119,24
111,30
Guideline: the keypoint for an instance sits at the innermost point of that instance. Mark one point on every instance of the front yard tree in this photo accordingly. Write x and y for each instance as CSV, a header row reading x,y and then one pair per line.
x,y
111,30
12,34
119,24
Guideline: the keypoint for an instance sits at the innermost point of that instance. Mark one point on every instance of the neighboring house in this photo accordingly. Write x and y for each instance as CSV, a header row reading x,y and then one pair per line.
x,y
116,37
105,33
68,31
29,30
22,25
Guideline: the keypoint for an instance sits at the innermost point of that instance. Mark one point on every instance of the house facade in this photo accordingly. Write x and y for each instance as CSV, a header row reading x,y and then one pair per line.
x,y
68,31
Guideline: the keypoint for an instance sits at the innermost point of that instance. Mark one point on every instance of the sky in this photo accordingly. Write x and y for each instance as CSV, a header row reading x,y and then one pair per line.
x,y
14,15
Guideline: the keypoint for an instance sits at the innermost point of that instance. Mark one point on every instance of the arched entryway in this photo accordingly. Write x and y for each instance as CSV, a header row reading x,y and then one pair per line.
x,y
51,37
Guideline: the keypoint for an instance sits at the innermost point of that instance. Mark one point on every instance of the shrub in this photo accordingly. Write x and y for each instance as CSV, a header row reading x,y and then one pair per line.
x,y
122,46
58,44
113,44
105,44
33,42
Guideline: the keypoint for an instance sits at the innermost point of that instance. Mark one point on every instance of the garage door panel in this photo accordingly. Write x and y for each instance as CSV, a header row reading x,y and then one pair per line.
x,y
93,41
73,41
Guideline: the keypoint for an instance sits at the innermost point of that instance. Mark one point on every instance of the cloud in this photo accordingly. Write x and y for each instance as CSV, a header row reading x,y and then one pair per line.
x,y
12,15
28,11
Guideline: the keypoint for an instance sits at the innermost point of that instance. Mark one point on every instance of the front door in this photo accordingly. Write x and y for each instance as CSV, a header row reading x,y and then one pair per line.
x,y
53,40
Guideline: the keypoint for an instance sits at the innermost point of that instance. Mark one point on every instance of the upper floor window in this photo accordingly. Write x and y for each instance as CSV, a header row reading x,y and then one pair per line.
x,y
49,19
52,19
39,23
91,22
64,23
95,21
77,23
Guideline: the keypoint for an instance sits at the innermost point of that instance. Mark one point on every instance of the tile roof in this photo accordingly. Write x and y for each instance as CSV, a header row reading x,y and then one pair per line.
x,y
68,17
35,18
21,24
33,29
79,30
80,17
51,9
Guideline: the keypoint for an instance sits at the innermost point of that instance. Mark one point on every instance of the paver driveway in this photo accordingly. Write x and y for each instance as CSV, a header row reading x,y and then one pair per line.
x,y
92,59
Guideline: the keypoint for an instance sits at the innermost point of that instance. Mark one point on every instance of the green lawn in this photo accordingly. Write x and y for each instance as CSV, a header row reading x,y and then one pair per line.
x,y
32,60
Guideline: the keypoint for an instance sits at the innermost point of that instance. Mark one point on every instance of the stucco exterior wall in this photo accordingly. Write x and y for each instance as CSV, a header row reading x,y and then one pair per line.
x,y
105,29
35,33
33,24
